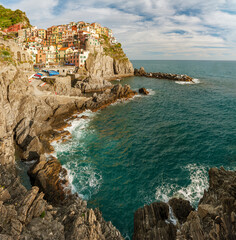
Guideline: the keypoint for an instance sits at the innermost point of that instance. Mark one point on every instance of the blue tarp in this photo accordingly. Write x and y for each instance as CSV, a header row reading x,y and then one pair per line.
x,y
53,73
40,74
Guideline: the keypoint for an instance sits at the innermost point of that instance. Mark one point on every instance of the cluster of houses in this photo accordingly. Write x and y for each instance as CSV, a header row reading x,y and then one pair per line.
x,y
68,44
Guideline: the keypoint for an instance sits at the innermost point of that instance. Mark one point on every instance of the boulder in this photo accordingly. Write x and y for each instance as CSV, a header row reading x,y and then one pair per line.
x,y
181,208
139,72
143,91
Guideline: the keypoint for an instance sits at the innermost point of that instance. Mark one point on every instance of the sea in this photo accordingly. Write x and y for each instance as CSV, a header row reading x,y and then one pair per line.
x,y
151,148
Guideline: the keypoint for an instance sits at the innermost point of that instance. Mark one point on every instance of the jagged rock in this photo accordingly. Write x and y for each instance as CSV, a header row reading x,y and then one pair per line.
x,y
4,194
41,228
106,98
215,218
123,67
150,223
181,208
26,204
63,85
48,176
143,91
217,208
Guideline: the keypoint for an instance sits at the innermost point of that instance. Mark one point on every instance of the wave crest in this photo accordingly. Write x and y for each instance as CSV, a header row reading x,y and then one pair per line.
x,y
194,81
193,192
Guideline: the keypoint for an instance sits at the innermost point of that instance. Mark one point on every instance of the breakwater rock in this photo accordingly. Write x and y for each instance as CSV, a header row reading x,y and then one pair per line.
x,y
214,219
143,91
176,77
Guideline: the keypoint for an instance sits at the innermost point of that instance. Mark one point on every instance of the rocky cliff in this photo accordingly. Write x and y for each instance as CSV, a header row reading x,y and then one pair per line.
x,y
214,219
108,61
100,65
30,117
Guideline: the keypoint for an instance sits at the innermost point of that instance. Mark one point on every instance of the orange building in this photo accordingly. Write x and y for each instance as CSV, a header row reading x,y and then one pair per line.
x,y
40,57
74,28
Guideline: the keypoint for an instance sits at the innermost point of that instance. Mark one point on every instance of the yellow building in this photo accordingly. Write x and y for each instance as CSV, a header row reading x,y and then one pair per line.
x,y
42,33
63,53
99,31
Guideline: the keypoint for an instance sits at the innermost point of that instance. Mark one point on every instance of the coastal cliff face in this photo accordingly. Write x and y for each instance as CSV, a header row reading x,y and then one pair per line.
x,y
100,65
214,219
30,118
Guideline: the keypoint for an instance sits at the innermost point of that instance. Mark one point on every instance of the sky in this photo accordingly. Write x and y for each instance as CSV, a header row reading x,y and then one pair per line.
x,y
149,29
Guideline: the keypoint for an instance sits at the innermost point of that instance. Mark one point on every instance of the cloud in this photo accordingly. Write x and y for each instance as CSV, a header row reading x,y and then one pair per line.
x,y
149,29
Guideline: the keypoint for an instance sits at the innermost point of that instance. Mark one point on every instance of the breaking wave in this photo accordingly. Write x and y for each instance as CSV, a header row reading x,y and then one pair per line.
x,y
194,81
151,92
193,192
84,178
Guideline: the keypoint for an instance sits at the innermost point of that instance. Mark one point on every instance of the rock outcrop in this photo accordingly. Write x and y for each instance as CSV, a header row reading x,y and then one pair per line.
x,y
92,84
214,219
143,91
102,66
176,77
151,222
29,119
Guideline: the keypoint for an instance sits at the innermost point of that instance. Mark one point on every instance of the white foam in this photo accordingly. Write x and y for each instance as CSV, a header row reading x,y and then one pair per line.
x,y
172,217
88,180
193,192
84,178
79,122
194,81
151,92
70,177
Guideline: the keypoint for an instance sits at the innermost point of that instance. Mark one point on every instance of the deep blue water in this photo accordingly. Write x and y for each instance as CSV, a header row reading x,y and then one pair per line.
x,y
158,146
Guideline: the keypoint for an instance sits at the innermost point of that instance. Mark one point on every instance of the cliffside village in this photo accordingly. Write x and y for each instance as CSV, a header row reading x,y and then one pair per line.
x,y
62,45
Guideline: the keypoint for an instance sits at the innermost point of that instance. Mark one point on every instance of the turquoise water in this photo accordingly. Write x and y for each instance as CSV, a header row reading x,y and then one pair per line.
x,y
154,147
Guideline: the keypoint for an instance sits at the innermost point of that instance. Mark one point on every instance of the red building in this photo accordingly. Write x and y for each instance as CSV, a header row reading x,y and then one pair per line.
x,y
14,28
74,28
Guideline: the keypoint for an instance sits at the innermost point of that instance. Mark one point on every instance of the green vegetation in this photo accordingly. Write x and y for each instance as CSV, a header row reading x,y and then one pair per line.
x,y
113,50
9,17
6,55
43,214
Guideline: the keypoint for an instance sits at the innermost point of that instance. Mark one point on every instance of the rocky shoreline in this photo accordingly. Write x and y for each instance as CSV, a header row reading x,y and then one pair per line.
x,y
169,76
31,117
215,217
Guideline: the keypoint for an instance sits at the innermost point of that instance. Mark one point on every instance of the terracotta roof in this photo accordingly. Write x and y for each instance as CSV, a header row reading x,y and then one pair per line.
x,y
63,48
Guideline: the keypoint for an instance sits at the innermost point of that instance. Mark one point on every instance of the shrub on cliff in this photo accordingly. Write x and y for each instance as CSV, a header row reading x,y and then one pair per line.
x,y
6,55
113,50
9,17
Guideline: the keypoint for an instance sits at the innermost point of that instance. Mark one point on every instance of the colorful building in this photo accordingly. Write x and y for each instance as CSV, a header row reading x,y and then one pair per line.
x,y
42,33
62,54
78,58
41,57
